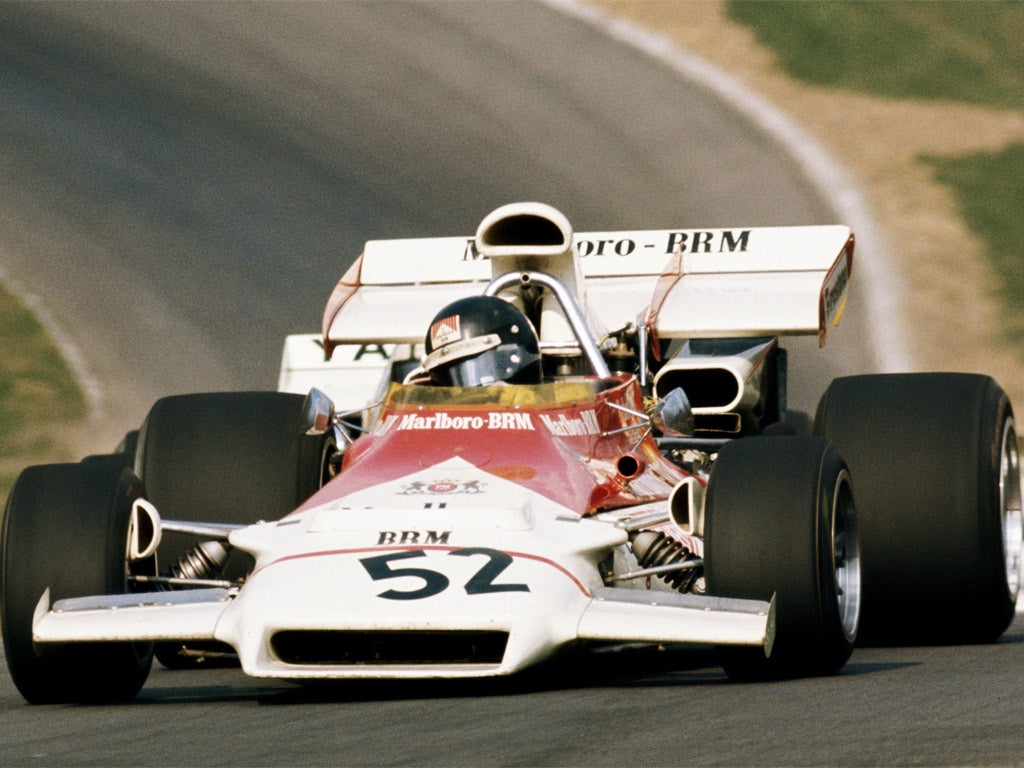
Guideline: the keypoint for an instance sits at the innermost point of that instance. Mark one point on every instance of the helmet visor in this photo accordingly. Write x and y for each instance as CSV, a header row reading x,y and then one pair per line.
x,y
457,350
508,363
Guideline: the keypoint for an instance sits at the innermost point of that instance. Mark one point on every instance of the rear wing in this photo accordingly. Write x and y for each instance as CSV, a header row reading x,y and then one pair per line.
x,y
683,283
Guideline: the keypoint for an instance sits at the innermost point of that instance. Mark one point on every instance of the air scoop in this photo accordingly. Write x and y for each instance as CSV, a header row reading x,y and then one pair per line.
x,y
534,237
525,231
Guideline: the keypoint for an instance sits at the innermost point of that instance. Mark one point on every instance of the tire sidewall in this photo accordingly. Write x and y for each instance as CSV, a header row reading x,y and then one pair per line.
x,y
924,451
65,529
769,532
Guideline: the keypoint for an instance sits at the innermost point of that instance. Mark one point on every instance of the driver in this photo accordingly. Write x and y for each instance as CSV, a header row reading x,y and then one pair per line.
x,y
482,340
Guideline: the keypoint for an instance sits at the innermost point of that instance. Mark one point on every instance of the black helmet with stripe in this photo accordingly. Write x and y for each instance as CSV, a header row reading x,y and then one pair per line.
x,y
482,340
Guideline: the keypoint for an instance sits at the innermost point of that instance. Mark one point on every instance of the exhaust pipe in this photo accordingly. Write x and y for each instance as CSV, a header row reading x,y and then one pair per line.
x,y
719,376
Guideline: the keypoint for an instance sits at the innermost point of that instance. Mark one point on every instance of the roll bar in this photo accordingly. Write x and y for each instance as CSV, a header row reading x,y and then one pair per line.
x,y
568,304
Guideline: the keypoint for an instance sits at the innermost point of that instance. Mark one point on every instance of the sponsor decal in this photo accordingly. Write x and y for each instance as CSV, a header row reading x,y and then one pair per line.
x,y
418,487
443,420
385,424
563,426
370,349
679,241
695,241
646,485
471,253
624,247
413,537
719,241
834,291
445,331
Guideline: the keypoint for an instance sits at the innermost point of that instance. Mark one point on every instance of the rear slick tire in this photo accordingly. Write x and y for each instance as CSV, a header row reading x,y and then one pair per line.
x,y
934,457
780,521
65,529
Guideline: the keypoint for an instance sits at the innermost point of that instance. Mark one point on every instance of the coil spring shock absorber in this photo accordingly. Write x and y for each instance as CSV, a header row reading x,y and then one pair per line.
x,y
204,561
654,548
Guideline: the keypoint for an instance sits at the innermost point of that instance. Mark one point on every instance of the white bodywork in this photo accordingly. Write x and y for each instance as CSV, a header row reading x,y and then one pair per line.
x,y
331,567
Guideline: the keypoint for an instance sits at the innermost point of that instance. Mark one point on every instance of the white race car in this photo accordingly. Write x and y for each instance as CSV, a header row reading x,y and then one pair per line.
x,y
521,443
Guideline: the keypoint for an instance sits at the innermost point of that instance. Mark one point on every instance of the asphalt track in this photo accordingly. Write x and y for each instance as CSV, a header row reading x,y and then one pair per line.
x,y
182,184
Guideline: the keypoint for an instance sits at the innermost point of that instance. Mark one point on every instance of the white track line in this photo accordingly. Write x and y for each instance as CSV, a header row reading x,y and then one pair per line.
x,y
90,385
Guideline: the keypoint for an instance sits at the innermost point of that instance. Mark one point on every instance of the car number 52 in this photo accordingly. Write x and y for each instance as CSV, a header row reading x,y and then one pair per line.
x,y
435,582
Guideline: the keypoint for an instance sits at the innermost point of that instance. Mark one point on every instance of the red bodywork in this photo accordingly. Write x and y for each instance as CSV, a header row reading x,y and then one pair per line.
x,y
565,441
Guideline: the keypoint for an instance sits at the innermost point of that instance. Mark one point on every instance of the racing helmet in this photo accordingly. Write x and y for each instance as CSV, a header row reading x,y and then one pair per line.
x,y
482,340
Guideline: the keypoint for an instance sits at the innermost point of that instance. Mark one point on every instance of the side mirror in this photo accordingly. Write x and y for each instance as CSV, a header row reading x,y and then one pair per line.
x,y
318,416
673,416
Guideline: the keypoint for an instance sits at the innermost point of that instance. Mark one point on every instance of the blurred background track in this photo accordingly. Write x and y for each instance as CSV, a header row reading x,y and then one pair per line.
x,y
184,182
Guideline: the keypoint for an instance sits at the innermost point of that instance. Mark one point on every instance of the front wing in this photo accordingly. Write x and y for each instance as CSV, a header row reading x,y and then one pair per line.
x,y
613,615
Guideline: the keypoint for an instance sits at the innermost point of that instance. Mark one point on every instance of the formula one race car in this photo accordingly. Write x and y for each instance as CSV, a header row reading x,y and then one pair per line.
x,y
520,443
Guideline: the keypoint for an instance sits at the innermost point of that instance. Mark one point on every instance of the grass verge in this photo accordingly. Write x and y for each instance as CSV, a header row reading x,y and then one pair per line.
x,y
962,50
957,50
38,393
989,189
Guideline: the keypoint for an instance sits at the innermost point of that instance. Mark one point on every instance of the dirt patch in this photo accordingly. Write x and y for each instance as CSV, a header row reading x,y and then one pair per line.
x,y
951,312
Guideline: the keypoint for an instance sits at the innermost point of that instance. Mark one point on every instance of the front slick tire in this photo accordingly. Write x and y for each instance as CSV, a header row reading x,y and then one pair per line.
x,y
65,528
780,521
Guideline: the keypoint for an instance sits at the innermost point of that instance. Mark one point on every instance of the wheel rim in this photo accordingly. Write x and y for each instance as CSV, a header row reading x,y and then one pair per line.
x,y
1010,506
327,469
846,557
